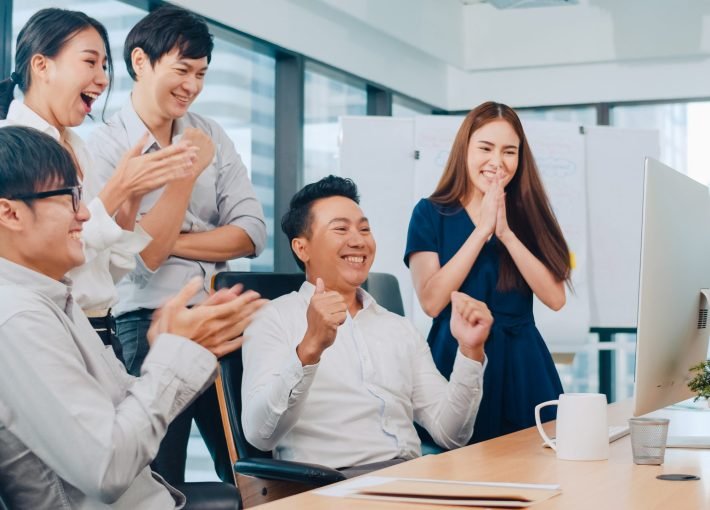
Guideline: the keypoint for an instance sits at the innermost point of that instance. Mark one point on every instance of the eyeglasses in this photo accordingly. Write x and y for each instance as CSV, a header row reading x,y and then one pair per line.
x,y
75,192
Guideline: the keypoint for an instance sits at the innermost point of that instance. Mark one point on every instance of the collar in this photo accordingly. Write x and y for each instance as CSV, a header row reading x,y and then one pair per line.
x,y
20,113
307,289
17,275
135,127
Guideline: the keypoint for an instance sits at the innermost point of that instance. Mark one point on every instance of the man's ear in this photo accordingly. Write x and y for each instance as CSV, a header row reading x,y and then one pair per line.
x,y
301,248
139,61
10,217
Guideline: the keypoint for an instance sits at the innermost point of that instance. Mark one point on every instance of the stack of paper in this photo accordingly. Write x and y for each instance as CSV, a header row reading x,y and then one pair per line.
x,y
444,492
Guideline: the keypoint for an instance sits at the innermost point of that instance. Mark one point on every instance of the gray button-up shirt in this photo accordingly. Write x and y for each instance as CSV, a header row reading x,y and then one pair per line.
x,y
223,195
70,402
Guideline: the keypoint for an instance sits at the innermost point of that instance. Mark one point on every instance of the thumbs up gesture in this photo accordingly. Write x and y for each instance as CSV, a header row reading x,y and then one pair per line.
x,y
326,311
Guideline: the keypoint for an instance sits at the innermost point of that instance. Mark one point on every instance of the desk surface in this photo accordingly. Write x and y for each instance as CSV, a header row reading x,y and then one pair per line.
x,y
616,483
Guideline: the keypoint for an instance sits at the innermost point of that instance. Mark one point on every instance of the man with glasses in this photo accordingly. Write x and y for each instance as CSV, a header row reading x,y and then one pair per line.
x,y
76,431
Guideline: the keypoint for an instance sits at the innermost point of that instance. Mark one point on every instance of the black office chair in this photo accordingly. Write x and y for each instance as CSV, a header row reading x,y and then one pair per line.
x,y
260,477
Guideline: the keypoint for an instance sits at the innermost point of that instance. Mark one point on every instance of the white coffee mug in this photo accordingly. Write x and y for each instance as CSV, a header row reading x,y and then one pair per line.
x,y
581,428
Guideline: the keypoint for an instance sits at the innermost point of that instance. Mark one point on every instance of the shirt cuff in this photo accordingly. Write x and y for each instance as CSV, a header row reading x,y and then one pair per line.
x,y
468,371
298,377
123,253
189,361
255,229
101,231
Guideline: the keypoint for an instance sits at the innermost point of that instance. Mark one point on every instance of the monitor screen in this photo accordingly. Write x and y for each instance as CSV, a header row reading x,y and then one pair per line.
x,y
675,269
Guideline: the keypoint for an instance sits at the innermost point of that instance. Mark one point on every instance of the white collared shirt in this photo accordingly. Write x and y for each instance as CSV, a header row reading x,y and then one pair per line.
x,y
358,404
110,251
67,398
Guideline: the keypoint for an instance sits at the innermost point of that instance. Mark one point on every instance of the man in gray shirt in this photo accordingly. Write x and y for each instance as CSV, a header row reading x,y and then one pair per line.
x,y
197,224
76,431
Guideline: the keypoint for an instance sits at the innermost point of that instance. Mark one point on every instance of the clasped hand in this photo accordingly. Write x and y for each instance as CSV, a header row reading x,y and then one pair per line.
x,y
494,218
216,324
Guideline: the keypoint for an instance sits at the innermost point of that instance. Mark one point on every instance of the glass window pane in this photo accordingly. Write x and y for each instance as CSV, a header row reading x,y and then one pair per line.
x,y
583,115
683,129
327,97
402,107
239,95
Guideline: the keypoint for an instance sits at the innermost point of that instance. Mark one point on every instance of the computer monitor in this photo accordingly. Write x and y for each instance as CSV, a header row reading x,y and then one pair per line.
x,y
672,330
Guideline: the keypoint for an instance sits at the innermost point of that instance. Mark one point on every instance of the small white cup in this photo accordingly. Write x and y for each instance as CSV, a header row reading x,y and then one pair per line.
x,y
581,428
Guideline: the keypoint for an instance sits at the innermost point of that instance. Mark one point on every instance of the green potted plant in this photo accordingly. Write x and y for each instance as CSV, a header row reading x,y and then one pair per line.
x,y
700,383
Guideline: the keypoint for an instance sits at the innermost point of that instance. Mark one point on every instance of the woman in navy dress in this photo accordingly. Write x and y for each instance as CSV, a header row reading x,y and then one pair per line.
x,y
488,230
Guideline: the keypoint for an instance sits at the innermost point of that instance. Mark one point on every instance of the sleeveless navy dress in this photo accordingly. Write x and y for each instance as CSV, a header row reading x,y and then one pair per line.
x,y
520,373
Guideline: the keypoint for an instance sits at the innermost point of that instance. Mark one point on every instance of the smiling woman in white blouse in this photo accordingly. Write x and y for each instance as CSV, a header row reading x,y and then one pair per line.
x,y
62,65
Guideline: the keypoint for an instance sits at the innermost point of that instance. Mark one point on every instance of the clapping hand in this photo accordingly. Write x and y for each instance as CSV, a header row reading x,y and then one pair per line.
x,y
217,324
470,324
142,173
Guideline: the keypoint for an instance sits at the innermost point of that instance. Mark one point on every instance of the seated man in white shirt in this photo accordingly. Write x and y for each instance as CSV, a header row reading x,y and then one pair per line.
x,y
76,431
331,377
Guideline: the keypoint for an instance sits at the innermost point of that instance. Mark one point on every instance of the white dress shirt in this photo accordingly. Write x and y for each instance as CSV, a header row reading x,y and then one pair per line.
x,y
358,404
66,397
222,195
109,250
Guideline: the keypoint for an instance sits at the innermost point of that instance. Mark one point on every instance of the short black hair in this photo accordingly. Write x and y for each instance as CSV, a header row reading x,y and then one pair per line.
x,y
297,220
166,28
31,161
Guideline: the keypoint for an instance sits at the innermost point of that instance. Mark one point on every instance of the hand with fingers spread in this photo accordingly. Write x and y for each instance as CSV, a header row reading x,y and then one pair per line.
x,y
470,324
142,173
198,138
326,312
217,324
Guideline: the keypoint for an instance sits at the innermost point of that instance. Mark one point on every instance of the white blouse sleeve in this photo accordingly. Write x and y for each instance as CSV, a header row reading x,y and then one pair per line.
x,y
102,233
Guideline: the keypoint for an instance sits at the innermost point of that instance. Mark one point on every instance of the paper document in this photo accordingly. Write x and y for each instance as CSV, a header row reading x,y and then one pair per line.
x,y
443,492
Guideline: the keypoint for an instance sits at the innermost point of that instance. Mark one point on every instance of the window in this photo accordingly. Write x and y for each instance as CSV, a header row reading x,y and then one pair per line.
x,y
403,107
327,97
583,115
239,94
682,128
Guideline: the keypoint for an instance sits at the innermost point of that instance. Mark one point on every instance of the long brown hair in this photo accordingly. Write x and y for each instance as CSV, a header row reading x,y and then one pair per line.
x,y
529,211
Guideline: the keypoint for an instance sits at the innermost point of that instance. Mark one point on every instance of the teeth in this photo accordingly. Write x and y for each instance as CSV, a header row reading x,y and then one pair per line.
x,y
92,95
355,260
75,236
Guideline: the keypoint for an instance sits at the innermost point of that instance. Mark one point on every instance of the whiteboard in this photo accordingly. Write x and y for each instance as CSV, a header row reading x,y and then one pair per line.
x,y
593,179
379,157
558,149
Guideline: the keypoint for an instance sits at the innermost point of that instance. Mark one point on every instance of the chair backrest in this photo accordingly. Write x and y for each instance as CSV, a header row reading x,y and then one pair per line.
x,y
382,286
270,286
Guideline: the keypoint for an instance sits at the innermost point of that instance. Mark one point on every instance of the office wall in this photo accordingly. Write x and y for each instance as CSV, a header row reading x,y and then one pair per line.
x,y
454,56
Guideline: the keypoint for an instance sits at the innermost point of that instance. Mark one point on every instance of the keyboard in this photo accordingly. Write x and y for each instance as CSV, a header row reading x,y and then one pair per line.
x,y
617,432
688,442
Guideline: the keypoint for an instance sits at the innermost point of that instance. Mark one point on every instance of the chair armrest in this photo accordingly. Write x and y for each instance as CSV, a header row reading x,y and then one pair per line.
x,y
285,470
